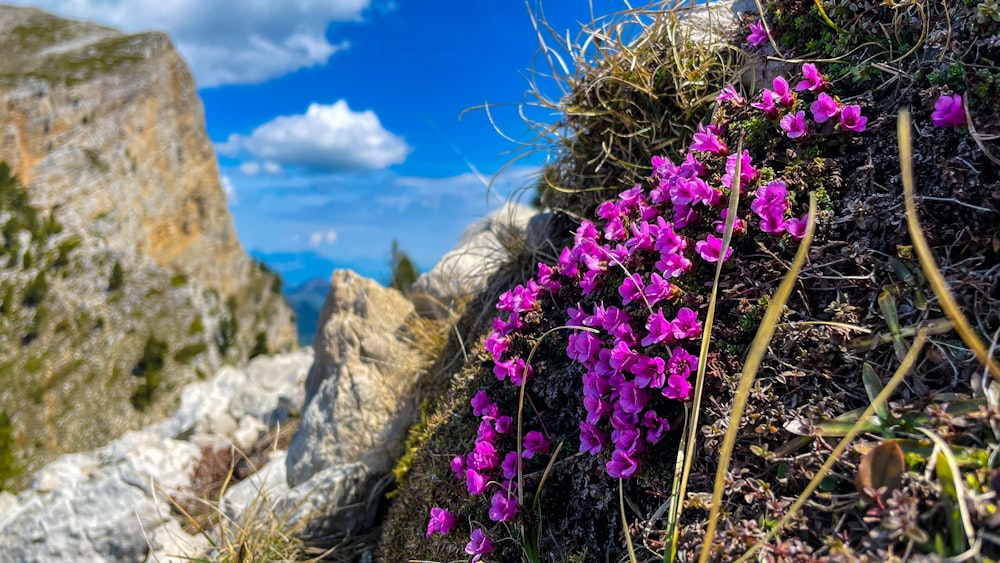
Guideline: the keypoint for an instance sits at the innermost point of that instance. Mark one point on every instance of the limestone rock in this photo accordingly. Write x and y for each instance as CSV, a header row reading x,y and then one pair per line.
x,y
465,270
359,393
111,504
332,499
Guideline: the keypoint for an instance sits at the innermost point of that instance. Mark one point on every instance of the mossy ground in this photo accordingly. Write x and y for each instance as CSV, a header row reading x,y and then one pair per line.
x,y
886,58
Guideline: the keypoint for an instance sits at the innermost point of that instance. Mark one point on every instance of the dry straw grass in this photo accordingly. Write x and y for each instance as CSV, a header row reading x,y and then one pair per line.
x,y
630,85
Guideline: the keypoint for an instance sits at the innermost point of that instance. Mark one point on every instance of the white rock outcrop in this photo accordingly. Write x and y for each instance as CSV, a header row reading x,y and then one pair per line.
x,y
359,394
112,504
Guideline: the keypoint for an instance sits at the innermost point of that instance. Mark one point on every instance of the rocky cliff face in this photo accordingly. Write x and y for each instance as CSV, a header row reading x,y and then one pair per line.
x,y
107,131
121,276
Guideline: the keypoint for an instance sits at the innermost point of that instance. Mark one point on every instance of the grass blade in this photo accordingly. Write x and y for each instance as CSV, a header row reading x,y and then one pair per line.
x,y
923,250
897,378
872,387
685,455
952,487
754,358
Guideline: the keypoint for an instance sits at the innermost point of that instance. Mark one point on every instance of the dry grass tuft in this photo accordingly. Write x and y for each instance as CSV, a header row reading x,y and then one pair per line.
x,y
632,85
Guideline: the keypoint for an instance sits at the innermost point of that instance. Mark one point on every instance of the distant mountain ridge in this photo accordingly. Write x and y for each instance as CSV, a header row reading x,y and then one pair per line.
x,y
307,302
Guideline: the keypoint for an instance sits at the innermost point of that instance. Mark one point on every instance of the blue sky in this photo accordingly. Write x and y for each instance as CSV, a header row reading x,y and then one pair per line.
x,y
336,122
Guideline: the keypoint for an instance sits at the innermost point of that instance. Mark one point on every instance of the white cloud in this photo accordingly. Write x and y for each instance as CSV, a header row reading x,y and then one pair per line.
x,y
227,41
229,189
326,137
323,237
252,167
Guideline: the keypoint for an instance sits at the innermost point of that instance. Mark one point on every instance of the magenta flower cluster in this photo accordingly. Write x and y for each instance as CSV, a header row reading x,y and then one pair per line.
x,y
781,103
625,279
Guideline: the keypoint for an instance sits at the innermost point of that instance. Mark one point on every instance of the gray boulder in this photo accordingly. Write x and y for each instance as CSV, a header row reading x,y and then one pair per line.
x,y
359,399
329,500
113,504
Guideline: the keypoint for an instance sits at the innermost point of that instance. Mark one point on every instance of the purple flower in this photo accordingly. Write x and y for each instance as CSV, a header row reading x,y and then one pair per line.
x,y
609,210
577,316
627,439
475,482
710,249
631,399
591,281
483,457
852,120
814,81
458,466
597,408
739,225
794,126
655,426
729,93
768,104
681,363
479,545
758,34
592,438
673,264
824,108
496,344
615,229
509,465
503,508
642,237
649,372
774,194
441,521
667,239
622,421
547,278
686,325
582,346
622,357
747,172
677,388
770,205
486,431
568,265
706,139
948,111
631,289
784,92
595,384
622,465
797,227
658,328
658,289
534,443
481,403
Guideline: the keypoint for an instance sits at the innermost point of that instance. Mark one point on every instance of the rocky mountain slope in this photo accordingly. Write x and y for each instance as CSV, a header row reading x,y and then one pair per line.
x,y
121,274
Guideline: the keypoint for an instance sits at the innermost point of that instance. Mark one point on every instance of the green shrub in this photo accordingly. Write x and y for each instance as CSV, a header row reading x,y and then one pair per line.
x,y
229,327
153,357
64,249
9,469
260,345
178,280
150,368
189,352
117,279
196,327
35,292
404,271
